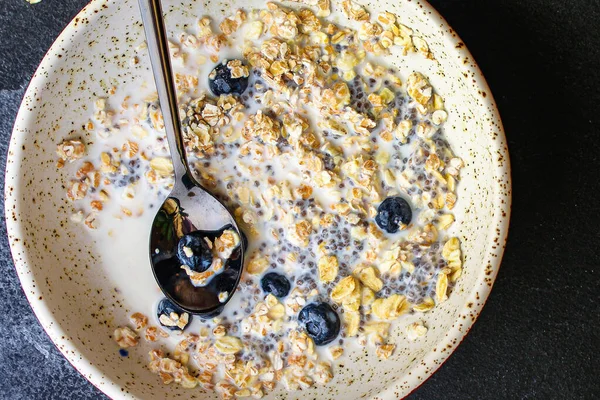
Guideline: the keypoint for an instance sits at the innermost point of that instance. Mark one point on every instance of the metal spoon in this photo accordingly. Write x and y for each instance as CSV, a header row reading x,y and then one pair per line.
x,y
189,207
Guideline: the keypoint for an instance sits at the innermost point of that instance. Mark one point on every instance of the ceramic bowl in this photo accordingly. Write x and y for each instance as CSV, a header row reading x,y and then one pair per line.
x,y
83,285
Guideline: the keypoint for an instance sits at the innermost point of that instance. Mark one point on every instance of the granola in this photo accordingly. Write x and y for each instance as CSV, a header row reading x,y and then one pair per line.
x,y
324,133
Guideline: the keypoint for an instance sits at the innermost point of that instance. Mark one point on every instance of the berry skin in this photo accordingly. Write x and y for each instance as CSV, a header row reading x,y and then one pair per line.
x,y
321,322
220,81
393,212
276,284
193,251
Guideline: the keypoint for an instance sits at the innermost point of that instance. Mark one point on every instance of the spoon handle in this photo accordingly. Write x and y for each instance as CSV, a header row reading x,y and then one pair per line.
x,y
158,49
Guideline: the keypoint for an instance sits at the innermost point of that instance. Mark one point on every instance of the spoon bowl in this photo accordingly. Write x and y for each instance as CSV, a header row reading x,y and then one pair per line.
x,y
183,212
189,207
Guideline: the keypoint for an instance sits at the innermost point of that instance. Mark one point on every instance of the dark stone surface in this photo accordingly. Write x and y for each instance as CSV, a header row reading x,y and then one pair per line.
x,y
538,336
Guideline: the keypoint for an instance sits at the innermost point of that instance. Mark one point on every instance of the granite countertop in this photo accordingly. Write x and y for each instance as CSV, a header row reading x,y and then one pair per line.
x,y
538,336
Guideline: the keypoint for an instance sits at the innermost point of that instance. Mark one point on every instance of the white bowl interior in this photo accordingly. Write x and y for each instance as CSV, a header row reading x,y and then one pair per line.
x,y
81,292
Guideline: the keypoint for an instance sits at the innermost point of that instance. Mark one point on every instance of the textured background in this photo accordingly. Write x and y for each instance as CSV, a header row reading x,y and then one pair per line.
x,y
538,336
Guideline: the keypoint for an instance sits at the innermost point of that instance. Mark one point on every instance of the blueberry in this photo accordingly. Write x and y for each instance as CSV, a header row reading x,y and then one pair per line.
x,y
321,322
221,82
393,212
276,284
174,318
193,251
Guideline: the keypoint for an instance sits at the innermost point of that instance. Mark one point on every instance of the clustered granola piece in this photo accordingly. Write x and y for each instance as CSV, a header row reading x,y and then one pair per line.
x,y
125,337
70,150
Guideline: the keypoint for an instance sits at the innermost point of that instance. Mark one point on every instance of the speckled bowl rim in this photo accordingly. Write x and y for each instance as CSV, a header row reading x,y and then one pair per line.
x,y
421,372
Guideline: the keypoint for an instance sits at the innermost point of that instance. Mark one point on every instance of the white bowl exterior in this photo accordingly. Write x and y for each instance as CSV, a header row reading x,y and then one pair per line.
x,y
80,296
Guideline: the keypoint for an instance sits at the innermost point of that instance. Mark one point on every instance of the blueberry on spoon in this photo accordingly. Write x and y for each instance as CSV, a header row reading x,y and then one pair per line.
x,y
193,251
321,322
